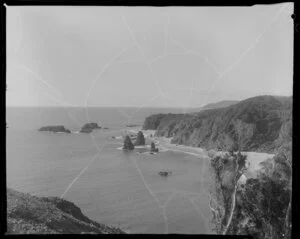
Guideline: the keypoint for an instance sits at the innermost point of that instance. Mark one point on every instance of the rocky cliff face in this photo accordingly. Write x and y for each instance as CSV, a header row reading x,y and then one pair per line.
x,y
28,214
268,117
55,129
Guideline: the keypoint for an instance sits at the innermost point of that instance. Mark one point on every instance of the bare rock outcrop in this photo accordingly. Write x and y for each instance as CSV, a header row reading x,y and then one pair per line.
x,y
55,129
89,127
128,145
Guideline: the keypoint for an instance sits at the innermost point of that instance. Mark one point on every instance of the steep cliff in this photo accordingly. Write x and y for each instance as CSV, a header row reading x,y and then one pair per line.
x,y
269,118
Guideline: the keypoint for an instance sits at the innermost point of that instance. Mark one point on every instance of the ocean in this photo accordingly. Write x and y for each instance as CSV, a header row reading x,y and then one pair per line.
x,y
113,187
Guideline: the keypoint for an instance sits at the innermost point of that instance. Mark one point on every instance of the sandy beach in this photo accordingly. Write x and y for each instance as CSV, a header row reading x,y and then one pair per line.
x,y
254,158
164,144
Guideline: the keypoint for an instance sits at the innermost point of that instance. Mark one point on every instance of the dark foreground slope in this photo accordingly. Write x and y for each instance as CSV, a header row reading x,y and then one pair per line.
x,y
268,117
39,215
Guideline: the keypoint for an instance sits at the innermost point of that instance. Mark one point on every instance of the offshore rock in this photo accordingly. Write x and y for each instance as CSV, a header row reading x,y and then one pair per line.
x,y
55,129
89,127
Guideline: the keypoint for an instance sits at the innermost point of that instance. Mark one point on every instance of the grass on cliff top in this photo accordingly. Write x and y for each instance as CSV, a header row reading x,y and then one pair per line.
x,y
27,214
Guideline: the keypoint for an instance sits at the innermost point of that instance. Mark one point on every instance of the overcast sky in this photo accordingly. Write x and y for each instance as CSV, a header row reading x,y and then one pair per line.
x,y
147,56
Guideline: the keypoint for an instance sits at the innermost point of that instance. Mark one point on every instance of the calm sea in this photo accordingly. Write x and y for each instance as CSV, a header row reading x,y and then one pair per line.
x,y
109,185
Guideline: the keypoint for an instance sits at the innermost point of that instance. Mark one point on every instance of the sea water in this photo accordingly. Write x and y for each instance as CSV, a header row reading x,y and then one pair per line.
x,y
111,186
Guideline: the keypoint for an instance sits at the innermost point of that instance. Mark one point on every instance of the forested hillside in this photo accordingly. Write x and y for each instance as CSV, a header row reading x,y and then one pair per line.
x,y
266,120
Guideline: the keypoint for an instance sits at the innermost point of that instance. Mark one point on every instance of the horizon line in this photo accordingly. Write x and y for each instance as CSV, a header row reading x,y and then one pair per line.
x,y
156,107
55,106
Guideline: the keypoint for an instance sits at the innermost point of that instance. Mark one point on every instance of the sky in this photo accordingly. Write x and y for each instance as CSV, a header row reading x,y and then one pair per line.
x,y
147,56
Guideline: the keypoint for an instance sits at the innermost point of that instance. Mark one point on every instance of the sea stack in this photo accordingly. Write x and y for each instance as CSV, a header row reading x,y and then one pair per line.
x,y
153,149
128,145
55,129
140,139
89,127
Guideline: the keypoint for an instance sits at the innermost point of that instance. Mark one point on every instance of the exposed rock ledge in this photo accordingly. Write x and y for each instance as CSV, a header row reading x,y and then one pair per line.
x,y
28,214
55,129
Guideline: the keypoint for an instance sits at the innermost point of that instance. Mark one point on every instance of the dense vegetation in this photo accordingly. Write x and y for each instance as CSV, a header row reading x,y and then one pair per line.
x,y
268,120
260,207
228,170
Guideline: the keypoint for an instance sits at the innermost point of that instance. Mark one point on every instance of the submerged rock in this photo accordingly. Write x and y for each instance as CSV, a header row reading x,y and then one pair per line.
x,y
128,145
89,127
140,139
55,129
